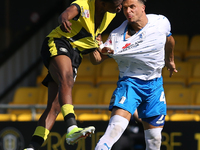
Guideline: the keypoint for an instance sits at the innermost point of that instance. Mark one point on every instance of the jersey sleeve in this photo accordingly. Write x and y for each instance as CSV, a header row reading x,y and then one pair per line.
x,y
80,4
165,26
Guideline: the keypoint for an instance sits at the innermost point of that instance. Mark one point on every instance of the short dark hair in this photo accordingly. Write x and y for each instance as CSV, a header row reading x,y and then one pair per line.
x,y
143,1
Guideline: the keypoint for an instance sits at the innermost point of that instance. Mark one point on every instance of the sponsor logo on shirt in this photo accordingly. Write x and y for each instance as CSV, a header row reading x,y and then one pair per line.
x,y
85,13
129,45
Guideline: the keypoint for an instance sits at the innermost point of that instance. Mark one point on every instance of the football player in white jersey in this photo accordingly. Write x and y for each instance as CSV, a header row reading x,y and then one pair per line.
x,y
142,45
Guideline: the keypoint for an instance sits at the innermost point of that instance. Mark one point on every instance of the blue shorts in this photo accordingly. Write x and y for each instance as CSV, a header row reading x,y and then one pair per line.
x,y
156,120
146,96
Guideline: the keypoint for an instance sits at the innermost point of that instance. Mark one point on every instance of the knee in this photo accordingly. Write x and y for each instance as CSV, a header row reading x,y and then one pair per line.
x,y
153,138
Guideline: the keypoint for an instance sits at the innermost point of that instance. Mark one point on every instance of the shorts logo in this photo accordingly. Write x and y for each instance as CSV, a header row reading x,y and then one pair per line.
x,y
122,100
63,50
11,139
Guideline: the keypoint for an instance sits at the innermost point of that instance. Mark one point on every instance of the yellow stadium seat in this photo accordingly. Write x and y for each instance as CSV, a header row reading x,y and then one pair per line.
x,y
167,118
184,70
26,96
180,97
181,44
168,87
194,83
195,43
8,117
178,56
42,75
86,96
108,72
80,85
196,70
184,117
28,117
197,99
107,94
174,81
93,117
183,96
194,80
86,73
192,57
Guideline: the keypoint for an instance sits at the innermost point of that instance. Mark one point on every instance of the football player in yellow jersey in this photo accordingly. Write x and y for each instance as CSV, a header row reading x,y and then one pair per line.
x,y
80,24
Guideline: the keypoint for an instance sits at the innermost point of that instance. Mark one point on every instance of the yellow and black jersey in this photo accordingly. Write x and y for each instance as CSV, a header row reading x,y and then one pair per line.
x,y
83,34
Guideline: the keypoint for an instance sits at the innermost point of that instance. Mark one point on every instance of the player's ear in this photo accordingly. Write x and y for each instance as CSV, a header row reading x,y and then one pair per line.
x,y
143,7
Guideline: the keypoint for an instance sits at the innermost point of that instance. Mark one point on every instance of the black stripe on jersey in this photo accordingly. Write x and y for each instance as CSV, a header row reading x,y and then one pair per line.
x,y
87,51
82,34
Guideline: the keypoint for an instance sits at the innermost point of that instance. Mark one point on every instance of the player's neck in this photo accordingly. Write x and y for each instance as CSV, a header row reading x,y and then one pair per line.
x,y
99,9
138,25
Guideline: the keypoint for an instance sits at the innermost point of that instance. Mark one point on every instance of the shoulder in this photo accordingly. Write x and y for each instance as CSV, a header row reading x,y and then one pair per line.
x,y
81,2
121,27
158,19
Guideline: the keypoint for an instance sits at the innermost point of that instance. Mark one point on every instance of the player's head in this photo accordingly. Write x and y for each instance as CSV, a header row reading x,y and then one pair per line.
x,y
112,6
134,10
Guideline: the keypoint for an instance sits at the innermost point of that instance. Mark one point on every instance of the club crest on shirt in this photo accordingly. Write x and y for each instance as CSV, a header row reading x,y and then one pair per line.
x,y
85,13
142,35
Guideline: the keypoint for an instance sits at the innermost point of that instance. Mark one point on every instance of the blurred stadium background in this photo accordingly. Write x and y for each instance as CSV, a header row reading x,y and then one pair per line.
x,y
24,25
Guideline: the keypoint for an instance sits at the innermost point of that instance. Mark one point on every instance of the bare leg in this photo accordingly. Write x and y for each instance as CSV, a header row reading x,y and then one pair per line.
x,y
48,118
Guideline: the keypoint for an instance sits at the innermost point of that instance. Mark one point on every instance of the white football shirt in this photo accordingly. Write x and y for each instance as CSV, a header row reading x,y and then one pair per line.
x,y
142,55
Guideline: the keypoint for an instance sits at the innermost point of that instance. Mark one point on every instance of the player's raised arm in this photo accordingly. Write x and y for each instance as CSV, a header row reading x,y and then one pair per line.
x,y
69,13
169,55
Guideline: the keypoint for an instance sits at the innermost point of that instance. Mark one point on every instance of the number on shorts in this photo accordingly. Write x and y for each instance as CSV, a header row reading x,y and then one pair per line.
x,y
162,97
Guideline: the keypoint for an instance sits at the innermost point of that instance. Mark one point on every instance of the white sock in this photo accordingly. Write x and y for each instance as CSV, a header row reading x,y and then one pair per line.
x,y
153,138
115,129
71,128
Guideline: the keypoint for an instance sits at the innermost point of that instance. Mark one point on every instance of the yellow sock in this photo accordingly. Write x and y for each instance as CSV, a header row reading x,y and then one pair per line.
x,y
67,109
41,132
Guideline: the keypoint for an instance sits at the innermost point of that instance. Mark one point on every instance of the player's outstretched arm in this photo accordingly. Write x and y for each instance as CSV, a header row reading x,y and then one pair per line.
x,y
97,57
101,53
169,55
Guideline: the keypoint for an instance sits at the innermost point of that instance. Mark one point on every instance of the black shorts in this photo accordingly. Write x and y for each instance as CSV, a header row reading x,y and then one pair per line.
x,y
59,46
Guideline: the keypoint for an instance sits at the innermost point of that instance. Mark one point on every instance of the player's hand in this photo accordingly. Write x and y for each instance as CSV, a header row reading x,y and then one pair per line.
x,y
66,26
98,38
171,67
107,50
